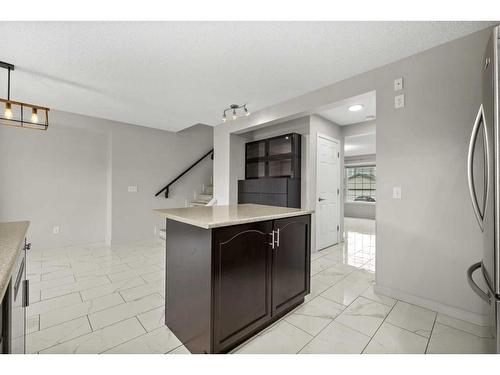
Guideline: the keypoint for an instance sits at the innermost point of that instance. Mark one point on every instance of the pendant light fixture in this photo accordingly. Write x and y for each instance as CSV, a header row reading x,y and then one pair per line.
x,y
235,108
19,114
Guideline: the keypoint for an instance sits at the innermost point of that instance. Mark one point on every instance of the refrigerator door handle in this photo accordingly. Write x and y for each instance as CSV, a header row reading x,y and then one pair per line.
x,y
470,169
485,296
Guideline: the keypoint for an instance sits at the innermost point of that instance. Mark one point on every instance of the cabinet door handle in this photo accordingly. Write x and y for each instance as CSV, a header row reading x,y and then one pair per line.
x,y
272,240
277,237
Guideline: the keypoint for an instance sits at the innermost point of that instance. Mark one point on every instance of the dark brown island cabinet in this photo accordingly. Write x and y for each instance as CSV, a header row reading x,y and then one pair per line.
x,y
226,283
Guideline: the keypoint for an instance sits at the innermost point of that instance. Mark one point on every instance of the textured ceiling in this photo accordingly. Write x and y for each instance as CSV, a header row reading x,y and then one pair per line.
x,y
172,75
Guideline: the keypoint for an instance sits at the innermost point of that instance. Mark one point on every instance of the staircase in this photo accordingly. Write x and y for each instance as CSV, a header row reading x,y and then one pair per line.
x,y
203,199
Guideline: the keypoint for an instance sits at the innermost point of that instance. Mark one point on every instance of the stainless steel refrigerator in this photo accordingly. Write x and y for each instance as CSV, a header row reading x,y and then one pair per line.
x,y
483,171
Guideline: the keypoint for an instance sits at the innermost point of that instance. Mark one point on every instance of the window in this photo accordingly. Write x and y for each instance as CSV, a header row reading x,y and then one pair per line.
x,y
361,183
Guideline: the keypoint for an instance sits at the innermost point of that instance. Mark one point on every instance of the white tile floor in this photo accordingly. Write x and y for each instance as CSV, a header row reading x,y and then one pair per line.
x,y
99,299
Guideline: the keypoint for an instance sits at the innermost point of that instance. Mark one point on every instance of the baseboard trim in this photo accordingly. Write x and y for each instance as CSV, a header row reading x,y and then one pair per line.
x,y
454,312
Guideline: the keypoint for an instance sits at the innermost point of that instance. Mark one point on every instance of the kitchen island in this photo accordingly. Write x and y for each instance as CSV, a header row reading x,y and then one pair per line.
x,y
233,270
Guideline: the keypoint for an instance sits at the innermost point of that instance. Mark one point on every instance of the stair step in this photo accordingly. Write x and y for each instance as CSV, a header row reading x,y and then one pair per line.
x,y
198,203
204,197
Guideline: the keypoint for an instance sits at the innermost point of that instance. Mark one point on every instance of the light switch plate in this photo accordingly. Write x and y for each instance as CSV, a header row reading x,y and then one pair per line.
x,y
399,101
132,189
55,230
398,84
396,192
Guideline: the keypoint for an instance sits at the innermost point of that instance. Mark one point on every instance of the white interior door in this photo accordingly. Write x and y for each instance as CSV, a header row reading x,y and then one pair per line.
x,y
327,192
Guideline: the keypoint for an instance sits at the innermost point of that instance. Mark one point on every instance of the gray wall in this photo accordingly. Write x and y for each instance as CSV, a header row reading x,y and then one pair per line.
x,y
54,178
426,240
76,174
149,158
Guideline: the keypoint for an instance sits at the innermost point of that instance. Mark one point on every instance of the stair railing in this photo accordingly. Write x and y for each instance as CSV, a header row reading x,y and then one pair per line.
x,y
167,187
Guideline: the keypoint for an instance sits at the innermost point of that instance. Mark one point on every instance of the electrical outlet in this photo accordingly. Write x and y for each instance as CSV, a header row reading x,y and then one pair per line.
x,y
398,84
396,192
399,101
55,230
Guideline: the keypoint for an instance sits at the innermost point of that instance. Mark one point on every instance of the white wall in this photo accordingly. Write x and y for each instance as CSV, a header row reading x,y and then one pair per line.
x,y
75,176
426,240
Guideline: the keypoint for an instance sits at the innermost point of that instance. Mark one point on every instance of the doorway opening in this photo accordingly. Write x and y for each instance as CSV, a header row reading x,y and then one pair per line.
x,y
356,118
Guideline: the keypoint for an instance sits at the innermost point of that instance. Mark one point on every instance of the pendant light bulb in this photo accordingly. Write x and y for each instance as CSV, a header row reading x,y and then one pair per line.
x,y
246,111
34,115
224,118
8,111
234,114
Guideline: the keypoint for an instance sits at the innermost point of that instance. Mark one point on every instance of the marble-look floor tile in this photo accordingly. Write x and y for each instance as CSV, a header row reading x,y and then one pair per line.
x,y
49,337
448,340
53,304
330,276
153,319
364,315
345,292
317,287
74,287
370,294
121,312
144,290
100,340
104,271
54,282
103,290
157,276
315,315
361,276
282,338
32,324
321,264
130,274
337,339
159,341
77,310
413,318
462,325
390,339
180,350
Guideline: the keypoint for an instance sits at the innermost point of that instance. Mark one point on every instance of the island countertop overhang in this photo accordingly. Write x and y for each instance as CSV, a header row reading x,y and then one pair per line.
x,y
208,217
12,235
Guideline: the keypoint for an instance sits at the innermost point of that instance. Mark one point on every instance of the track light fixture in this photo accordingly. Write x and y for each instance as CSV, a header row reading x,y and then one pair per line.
x,y
235,108
16,113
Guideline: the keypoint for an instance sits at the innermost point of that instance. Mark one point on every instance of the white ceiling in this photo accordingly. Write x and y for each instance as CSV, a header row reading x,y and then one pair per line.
x,y
339,112
360,145
172,75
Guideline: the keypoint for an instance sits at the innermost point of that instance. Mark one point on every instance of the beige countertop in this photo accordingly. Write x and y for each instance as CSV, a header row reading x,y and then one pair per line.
x,y
11,241
208,217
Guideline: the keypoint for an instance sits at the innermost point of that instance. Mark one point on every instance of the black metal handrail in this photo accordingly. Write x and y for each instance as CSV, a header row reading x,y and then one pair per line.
x,y
166,187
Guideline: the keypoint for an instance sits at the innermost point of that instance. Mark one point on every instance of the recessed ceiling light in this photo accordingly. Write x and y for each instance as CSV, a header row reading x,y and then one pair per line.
x,y
355,108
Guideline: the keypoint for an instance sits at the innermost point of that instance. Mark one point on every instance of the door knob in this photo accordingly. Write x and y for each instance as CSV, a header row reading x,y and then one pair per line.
x,y
321,199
